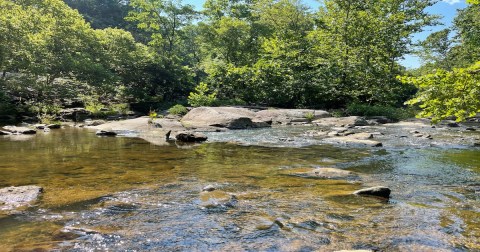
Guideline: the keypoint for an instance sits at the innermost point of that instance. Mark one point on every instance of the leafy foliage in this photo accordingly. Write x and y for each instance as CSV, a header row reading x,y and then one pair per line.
x,y
448,93
202,96
390,112
178,110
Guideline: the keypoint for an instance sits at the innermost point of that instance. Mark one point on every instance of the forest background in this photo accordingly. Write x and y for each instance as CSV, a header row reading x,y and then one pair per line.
x,y
110,55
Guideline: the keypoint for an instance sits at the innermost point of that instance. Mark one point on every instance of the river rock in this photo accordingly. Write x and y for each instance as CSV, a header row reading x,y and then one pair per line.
x,y
18,196
54,126
357,250
209,188
379,191
379,119
221,117
5,133
105,133
287,116
361,136
216,198
75,114
19,130
354,141
342,121
89,122
40,126
470,129
323,173
191,137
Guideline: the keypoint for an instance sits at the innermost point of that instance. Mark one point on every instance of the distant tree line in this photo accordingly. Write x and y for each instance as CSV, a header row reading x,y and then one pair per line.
x,y
263,52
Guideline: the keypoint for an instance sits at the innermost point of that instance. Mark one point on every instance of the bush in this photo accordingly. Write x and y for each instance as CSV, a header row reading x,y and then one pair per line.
x,y
178,110
310,116
392,113
201,96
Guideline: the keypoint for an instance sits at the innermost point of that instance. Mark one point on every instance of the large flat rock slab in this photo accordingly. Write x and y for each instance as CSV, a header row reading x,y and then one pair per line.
x,y
18,196
221,117
286,116
341,121
19,130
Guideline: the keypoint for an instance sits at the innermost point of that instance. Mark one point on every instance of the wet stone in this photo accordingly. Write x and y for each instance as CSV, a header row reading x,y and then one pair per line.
x,y
379,191
324,173
18,196
105,133
209,188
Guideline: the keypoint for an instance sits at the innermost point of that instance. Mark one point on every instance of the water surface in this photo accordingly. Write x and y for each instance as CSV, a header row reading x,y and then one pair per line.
x,y
124,193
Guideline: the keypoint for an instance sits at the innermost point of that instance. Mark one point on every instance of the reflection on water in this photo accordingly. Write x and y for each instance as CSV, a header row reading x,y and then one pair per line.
x,y
127,194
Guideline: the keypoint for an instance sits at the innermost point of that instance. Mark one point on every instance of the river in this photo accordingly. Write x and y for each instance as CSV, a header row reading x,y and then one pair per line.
x,y
126,194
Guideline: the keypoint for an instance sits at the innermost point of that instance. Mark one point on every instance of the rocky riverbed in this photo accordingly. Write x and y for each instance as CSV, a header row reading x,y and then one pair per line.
x,y
283,184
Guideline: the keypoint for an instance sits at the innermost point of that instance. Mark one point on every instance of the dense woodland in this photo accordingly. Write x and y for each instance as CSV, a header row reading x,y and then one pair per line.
x,y
106,54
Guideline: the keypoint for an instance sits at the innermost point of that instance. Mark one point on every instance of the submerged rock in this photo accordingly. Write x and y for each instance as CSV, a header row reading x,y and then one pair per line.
x,y
105,133
217,199
379,191
324,173
351,140
18,196
191,137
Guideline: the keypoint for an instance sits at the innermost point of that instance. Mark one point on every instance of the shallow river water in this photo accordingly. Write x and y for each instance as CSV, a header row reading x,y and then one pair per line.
x,y
125,194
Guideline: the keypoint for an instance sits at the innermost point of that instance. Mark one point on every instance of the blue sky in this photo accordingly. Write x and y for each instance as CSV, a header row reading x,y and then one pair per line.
x,y
445,8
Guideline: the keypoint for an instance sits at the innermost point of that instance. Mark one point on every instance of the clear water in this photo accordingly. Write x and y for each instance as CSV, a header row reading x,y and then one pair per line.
x,y
126,194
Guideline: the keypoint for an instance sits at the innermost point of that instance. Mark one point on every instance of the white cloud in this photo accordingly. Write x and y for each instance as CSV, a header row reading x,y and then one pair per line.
x,y
452,2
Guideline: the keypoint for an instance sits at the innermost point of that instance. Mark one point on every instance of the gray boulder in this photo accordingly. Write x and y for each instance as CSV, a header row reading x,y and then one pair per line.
x,y
378,191
287,116
221,117
18,196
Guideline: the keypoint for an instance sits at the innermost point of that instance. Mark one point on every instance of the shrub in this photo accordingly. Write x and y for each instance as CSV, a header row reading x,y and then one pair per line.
x,y
390,112
201,97
310,116
178,110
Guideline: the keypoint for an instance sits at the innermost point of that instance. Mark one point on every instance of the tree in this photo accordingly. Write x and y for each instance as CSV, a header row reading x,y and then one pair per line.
x,y
447,93
436,49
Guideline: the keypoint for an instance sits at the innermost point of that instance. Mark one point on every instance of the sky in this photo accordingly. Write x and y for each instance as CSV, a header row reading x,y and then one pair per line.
x,y
446,8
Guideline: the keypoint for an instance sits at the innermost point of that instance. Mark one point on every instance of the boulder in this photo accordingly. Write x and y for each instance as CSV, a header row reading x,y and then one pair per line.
x,y
379,119
287,116
323,173
89,122
18,196
54,126
19,130
349,121
105,133
75,114
191,137
40,126
221,117
378,191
